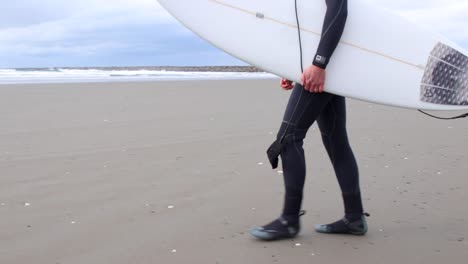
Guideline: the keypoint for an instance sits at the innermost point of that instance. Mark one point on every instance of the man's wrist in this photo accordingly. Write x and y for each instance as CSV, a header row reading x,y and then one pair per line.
x,y
320,61
320,67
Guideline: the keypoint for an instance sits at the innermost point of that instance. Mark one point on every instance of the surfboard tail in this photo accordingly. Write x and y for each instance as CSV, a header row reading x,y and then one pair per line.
x,y
445,80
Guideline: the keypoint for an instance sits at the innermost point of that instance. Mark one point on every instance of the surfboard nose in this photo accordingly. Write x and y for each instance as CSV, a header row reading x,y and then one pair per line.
x,y
445,80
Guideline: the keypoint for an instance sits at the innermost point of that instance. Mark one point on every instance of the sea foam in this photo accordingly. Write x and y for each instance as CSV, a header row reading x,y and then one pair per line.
x,y
57,75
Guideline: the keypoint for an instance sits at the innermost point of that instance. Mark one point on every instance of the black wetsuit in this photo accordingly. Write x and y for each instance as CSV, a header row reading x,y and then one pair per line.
x,y
303,109
333,27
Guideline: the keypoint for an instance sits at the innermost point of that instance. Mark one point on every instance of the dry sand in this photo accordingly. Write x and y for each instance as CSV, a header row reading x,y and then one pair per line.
x,y
171,172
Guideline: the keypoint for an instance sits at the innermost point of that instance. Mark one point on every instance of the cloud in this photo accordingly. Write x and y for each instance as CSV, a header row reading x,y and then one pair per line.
x,y
99,33
30,12
47,33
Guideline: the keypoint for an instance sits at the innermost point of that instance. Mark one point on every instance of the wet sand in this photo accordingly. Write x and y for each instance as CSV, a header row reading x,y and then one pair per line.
x,y
176,172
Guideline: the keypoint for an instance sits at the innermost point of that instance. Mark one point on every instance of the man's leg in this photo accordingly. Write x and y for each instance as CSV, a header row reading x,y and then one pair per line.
x,y
332,124
302,111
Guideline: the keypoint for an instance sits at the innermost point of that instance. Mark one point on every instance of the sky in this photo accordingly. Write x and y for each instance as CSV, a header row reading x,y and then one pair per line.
x,y
58,33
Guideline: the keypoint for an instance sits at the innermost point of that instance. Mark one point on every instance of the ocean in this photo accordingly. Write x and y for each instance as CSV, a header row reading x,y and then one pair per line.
x,y
125,74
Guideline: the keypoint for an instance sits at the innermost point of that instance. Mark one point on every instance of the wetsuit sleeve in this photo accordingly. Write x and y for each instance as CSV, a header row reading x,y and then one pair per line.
x,y
333,27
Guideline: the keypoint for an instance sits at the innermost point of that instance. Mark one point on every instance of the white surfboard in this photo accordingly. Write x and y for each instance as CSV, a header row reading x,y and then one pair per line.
x,y
382,57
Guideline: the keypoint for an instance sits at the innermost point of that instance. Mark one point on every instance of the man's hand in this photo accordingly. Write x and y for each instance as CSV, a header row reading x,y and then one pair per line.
x,y
313,79
286,84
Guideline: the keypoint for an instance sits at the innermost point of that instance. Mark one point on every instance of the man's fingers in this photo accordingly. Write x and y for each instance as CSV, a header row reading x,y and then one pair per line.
x,y
316,88
310,86
306,84
286,84
320,88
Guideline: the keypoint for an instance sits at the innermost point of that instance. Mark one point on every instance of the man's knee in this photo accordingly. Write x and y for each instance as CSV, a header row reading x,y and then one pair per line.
x,y
290,133
287,134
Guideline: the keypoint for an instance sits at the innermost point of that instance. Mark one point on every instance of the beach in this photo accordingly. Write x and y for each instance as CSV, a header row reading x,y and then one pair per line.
x,y
176,172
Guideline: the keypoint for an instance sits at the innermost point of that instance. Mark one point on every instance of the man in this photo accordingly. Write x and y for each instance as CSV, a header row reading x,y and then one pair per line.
x,y
308,103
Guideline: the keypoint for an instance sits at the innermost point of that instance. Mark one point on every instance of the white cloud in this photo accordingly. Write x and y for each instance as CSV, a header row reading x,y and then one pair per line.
x,y
80,28
28,12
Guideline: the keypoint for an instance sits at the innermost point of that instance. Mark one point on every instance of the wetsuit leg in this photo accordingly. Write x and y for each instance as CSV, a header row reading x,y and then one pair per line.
x,y
332,124
302,111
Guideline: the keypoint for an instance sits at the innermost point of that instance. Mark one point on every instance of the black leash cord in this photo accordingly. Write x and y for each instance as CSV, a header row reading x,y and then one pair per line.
x,y
444,118
302,70
299,34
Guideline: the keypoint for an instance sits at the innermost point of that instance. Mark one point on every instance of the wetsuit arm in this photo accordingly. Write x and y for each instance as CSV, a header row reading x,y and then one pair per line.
x,y
333,27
